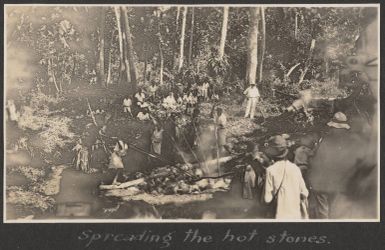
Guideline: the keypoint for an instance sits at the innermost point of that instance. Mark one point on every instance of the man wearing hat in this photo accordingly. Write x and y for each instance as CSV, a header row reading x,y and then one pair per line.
x,y
331,166
302,155
284,183
252,94
339,121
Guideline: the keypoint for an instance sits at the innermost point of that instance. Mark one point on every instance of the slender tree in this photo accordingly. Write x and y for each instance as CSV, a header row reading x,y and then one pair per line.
x,y
175,62
263,43
223,32
120,39
159,13
308,62
130,48
296,25
108,82
182,35
101,74
191,36
253,45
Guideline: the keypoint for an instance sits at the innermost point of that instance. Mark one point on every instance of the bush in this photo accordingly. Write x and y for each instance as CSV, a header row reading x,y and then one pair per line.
x,y
21,197
327,89
53,130
31,173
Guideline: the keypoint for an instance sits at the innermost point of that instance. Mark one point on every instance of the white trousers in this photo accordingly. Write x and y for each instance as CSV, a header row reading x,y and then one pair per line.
x,y
127,109
251,106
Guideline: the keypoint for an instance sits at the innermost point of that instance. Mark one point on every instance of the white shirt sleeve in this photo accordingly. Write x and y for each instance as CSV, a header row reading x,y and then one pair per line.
x,y
303,190
269,188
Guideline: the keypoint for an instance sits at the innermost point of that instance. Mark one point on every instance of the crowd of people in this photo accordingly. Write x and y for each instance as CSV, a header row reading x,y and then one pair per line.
x,y
285,175
278,174
178,107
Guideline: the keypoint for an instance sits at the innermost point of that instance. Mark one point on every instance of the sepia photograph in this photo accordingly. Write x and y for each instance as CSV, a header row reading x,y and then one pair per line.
x,y
191,113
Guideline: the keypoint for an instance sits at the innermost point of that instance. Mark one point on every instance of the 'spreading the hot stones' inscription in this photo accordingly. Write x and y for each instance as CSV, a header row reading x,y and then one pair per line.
x,y
196,237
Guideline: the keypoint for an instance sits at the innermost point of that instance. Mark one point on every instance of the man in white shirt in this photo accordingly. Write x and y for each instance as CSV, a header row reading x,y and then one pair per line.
x,y
127,102
140,96
143,115
284,182
252,93
169,102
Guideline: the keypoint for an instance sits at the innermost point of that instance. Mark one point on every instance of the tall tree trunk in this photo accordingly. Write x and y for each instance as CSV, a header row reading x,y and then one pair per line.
x,y
308,61
126,63
181,50
263,45
108,82
145,62
161,65
120,37
253,45
130,49
191,36
174,57
160,49
296,26
223,32
101,77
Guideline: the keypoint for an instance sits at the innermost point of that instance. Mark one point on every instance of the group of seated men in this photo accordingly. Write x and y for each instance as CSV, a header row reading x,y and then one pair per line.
x,y
179,99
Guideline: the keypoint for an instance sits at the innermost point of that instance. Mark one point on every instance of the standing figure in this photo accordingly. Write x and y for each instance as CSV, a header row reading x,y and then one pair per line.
x,y
249,183
116,161
284,186
331,165
205,88
252,94
302,156
82,157
139,98
152,89
191,102
13,114
127,103
156,140
77,157
220,125
259,162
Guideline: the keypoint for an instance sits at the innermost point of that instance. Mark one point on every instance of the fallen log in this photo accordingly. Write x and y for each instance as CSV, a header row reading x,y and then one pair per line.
x,y
123,185
134,182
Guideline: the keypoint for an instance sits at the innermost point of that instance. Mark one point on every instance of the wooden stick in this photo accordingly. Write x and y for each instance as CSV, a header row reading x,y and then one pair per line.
x,y
92,113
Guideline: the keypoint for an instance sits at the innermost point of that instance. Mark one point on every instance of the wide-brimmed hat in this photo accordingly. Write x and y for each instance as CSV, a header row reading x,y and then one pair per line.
x,y
276,147
306,141
339,120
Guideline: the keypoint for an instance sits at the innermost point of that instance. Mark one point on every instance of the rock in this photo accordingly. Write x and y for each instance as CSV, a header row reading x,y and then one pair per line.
x,y
220,184
209,215
198,172
202,184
